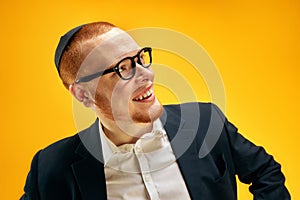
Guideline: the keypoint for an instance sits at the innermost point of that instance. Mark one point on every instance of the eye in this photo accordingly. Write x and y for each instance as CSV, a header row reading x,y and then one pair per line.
x,y
125,65
122,68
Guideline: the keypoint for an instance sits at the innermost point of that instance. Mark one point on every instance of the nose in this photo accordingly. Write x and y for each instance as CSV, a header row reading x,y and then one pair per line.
x,y
143,74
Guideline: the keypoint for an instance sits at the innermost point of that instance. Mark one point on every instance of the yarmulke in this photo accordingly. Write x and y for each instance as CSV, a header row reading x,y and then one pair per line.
x,y
63,43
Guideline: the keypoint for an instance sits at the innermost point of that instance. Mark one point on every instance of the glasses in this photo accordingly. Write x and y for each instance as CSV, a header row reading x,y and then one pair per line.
x,y
126,67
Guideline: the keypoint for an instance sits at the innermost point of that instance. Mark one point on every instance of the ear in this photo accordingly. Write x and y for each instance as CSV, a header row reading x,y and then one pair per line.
x,y
81,94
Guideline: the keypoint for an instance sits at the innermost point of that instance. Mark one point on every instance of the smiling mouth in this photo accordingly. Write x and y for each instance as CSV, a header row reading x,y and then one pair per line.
x,y
144,96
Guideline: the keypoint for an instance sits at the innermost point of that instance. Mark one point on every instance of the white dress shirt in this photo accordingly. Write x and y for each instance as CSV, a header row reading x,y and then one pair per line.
x,y
144,170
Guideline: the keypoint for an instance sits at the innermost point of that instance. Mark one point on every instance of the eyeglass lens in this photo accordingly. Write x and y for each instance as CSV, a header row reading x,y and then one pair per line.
x,y
126,66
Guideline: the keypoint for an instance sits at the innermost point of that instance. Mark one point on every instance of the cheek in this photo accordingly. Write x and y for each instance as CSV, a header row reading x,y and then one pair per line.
x,y
114,96
102,99
121,92
105,88
103,94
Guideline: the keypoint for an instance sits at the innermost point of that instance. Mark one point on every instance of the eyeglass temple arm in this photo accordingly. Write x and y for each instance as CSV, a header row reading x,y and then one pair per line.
x,y
93,76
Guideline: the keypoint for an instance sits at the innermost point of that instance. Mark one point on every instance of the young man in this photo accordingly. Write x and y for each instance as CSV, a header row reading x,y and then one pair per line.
x,y
137,148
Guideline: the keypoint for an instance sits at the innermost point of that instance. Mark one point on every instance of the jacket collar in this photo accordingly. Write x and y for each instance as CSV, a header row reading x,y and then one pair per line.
x,y
180,129
89,171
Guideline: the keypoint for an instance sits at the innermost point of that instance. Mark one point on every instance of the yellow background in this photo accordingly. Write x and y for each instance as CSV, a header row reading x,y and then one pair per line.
x,y
254,44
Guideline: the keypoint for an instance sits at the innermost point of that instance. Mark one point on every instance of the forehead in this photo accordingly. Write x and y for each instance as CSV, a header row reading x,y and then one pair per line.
x,y
107,48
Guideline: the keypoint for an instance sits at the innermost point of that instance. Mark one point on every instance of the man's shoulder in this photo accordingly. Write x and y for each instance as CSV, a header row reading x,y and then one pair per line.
x,y
194,115
63,145
187,104
58,155
63,150
191,106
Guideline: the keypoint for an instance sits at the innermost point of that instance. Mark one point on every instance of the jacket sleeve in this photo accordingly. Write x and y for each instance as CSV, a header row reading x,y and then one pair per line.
x,y
31,186
254,166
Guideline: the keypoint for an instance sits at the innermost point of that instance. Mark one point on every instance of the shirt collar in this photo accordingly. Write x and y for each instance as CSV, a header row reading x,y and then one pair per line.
x,y
109,148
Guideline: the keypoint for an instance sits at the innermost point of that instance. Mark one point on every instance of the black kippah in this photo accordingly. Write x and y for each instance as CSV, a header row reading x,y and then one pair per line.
x,y
63,43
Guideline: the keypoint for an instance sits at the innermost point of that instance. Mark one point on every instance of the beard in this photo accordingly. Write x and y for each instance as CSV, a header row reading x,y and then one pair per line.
x,y
104,105
153,113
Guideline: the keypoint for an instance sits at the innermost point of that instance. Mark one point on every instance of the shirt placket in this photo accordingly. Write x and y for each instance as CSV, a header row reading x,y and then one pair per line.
x,y
146,173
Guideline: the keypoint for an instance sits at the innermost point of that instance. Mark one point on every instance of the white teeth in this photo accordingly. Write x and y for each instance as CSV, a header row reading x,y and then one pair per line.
x,y
145,95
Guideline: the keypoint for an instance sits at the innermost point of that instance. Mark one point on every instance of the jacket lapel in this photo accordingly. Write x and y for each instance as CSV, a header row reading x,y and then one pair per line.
x,y
89,171
182,135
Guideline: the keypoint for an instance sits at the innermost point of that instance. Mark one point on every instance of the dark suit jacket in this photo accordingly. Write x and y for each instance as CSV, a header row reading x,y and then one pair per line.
x,y
209,149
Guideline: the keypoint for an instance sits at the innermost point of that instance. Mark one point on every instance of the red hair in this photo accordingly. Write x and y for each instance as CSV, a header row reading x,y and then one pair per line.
x,y
73,55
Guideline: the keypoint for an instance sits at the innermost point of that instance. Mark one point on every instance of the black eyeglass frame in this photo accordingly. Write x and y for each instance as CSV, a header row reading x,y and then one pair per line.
x,y
116,67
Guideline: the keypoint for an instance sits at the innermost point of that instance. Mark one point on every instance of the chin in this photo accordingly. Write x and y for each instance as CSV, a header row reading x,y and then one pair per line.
x,y
149,116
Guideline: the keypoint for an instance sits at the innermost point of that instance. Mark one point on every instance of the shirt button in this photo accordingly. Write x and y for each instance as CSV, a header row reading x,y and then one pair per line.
x,y
138,149
147,178
128,148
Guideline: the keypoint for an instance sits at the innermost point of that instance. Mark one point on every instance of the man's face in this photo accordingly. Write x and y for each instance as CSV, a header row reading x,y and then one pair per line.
x,y
126,101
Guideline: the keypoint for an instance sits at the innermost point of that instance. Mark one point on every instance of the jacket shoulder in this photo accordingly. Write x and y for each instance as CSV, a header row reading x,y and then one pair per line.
x,y
195,110
51,169
61,148
64,149
190,105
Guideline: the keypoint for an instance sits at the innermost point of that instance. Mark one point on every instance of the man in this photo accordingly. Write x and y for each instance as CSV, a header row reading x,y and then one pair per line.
x,y
137,148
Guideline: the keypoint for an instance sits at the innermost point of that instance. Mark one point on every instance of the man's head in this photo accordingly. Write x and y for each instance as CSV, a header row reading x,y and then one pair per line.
x,y
94,65
70,54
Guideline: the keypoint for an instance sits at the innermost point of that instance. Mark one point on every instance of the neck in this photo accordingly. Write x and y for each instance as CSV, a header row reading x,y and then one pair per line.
x,y
124,132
